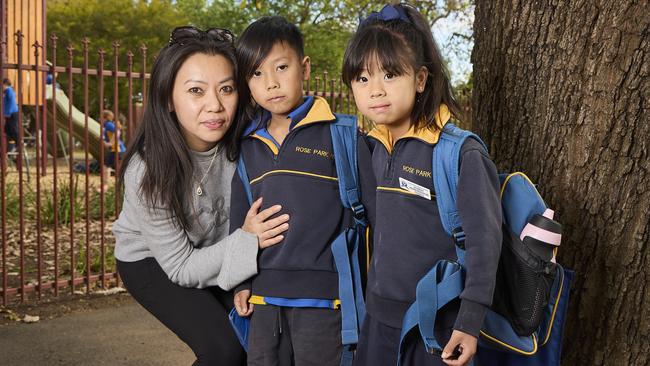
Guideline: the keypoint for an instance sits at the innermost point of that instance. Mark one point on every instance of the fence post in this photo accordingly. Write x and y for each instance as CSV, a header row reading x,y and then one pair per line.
x,y
72,186
55,191
39,125
85,42
19,163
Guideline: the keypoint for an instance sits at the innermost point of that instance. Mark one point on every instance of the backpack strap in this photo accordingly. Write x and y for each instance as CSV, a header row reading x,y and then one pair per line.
x,y
445,281
445,168
345,248
243,176
344,142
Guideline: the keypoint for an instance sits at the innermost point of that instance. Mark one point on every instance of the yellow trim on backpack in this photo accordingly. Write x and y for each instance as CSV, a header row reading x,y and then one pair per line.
x,y
557,301
502,344
505,182
293,172
367,249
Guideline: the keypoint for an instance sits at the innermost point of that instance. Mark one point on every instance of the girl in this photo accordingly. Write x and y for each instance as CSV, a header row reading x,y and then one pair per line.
x,y
396,74
172,245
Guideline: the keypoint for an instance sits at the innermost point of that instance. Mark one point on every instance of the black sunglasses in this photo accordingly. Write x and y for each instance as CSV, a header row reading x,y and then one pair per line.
x,y
180,34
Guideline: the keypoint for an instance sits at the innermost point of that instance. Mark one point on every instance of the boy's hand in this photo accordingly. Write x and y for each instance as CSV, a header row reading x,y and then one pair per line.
x,y
241,303
465,343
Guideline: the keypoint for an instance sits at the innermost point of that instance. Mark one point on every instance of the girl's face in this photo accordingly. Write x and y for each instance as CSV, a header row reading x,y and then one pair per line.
x,y
386,98
204,99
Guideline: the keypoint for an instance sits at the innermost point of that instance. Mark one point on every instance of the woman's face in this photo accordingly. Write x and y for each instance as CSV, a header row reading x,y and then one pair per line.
x,y
204,99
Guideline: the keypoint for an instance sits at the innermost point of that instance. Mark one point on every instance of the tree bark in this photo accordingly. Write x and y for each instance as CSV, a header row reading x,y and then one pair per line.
x,y
562,92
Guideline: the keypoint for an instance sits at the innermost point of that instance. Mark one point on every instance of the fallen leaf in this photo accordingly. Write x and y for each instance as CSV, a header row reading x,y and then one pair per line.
x,y
31,319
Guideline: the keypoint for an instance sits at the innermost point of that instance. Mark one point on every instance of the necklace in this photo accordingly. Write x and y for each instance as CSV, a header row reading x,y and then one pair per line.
x,y
199,190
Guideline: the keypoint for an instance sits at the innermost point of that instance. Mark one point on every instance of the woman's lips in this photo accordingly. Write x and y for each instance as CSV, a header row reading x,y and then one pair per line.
x,y
214,124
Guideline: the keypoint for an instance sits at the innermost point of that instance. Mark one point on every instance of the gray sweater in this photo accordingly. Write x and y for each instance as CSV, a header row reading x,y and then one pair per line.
x,y
206,255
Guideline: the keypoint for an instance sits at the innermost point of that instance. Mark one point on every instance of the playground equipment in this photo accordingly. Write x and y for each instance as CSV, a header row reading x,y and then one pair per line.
x,y
64,113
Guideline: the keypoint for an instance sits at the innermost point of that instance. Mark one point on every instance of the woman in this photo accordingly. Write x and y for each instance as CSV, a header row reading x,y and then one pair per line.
x,y
172,245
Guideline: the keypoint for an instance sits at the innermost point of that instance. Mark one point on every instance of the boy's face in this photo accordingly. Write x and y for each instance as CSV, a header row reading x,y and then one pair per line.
x,y
277,84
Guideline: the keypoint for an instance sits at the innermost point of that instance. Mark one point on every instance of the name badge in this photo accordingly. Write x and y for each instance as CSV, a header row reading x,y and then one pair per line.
x,y
414,188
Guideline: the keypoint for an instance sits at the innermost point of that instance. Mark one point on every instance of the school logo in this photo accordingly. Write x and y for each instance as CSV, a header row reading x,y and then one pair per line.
x,y
314,152
416,171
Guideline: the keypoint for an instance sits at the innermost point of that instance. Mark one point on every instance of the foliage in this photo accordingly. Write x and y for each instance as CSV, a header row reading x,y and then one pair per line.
x,y
326,24
63,206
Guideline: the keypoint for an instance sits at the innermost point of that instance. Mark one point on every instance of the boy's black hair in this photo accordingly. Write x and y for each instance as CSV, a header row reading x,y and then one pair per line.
x,y
6,81
258,39
255,44
386,42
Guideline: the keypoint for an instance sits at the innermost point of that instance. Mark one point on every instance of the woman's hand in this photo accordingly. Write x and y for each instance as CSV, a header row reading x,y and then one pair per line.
x,y
465,343
241,303
267,230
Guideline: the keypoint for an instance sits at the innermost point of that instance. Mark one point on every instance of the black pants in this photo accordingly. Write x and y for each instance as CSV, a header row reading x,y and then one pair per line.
x,y
198,316
285,336
11,128
379,346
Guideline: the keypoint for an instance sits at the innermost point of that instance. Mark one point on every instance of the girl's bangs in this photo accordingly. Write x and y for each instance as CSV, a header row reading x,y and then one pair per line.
x,y
376,47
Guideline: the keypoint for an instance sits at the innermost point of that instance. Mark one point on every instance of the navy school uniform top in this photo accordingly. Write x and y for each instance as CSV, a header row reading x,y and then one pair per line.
x,y
301,176
409,237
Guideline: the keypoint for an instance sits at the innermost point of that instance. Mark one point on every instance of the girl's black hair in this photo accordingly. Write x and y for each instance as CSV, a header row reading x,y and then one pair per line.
x,y
254,45
385,42
168,173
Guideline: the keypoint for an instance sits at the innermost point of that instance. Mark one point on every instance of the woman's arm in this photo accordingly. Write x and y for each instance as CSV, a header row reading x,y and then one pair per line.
x,y
226,263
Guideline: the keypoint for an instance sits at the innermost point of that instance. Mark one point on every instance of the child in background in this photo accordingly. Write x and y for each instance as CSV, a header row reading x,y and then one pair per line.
x,y
112,131
398,79
288,153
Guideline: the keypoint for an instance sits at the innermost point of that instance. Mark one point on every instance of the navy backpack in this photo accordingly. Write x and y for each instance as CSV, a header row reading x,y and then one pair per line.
x,y
534,338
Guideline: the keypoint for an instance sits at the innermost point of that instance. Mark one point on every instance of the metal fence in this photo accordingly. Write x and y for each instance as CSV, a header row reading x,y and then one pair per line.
x,y
55,210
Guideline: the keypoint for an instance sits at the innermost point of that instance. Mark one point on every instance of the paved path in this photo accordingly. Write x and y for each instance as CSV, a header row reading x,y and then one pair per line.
x,y
124,334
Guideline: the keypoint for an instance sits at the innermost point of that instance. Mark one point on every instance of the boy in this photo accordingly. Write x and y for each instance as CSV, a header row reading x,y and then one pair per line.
x,y
10,113
111,133
288,153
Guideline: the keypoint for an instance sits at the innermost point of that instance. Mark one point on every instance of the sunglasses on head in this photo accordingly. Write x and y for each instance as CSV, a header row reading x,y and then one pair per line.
x,y
181,34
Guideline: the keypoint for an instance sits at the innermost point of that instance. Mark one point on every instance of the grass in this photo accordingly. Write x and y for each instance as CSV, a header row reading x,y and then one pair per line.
x,y
70,196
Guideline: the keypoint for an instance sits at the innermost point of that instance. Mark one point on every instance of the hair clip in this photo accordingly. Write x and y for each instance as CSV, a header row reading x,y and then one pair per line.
x,y
387,13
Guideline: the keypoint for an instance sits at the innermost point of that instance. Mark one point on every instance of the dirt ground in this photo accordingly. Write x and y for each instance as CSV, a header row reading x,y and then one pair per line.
x,y
66,304
92,330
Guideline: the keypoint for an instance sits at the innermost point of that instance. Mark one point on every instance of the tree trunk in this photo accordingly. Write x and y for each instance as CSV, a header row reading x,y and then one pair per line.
x,y
562,92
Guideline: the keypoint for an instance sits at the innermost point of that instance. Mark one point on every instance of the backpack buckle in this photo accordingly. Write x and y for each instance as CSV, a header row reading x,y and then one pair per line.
x,y
459,237
359,211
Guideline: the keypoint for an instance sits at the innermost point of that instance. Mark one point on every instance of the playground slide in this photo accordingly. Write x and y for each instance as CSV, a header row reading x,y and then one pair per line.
x,y
78,129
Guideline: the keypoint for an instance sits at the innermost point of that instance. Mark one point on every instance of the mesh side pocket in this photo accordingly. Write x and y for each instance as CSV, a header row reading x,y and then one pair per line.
x,y
523,285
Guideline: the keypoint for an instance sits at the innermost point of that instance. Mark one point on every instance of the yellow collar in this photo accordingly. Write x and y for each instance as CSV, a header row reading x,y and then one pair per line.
x,y
426,134
319,112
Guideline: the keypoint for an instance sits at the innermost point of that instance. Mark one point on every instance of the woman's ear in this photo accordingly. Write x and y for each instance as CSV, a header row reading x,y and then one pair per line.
x,y
306,68
421,79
